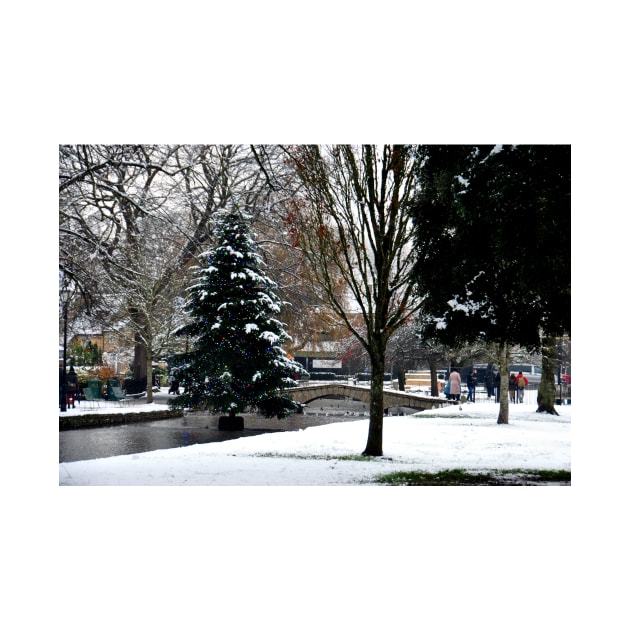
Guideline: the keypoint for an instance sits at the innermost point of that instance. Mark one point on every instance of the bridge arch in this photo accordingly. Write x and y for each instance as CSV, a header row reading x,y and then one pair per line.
x,y
391,398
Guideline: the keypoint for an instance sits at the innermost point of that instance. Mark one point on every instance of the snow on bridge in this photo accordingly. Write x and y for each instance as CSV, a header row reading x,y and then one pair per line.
x,y
391,398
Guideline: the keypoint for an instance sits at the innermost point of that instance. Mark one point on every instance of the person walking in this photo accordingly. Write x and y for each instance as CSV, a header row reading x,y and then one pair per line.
x,y
471,383
490,383
72,387
174,384
512,388
521,384
455,381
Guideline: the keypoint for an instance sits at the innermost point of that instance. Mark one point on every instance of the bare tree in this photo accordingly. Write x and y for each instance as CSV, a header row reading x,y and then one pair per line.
x,y
305,310
133,218
350,219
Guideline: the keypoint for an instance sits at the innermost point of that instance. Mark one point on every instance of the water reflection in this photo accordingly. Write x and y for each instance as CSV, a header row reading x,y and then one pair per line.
x,y
194,428
140,437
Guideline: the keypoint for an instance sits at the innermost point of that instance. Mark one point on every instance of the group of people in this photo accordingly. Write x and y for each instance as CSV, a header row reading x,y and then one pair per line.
x,y
453,388
516,386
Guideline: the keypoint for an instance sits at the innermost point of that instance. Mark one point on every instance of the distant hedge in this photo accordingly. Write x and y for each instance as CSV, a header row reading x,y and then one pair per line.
x,y
326,376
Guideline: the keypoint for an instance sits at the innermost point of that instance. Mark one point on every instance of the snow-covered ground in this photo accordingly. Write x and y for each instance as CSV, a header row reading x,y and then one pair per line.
x,y
317,548
469,438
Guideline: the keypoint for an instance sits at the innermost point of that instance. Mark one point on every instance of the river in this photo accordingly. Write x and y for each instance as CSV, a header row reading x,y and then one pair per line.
x,y
194,428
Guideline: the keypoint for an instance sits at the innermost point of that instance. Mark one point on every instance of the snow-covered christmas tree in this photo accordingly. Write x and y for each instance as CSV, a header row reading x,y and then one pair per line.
x,y
237,360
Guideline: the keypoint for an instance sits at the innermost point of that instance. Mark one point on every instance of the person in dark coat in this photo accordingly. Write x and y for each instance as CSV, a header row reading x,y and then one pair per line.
x,y
512,388
490,383
471,383
174,384
72,387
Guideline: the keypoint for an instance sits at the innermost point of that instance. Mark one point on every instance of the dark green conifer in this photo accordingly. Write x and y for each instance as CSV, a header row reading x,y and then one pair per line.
x,y
237,360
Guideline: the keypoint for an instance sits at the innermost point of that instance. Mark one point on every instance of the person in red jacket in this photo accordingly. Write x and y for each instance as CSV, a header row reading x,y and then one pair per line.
x,y
521,384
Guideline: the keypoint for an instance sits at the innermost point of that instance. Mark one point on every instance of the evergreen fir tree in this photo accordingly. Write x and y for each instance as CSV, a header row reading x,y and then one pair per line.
x,y
237,360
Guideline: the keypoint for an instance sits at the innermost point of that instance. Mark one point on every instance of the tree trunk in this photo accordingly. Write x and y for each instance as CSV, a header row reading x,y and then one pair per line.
x,y
149,370
435,389
231,422
374,446
400,374
504,401
139,366
401,380
547,388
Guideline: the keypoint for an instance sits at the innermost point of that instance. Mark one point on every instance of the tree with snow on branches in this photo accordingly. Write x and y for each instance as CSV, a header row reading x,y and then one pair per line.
x,y
237,360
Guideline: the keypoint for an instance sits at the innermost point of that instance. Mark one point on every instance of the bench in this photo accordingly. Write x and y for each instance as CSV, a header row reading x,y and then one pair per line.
x,y
91,398
116,394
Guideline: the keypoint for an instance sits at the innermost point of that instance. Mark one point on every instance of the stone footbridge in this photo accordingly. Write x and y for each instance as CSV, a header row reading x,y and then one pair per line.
x,y
391,398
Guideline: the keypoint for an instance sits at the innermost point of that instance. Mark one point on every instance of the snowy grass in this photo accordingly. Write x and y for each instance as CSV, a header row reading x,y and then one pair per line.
x,y
426,443
458,477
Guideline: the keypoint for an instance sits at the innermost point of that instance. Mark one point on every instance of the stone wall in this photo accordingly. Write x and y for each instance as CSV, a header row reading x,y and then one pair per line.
x,y
103,419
